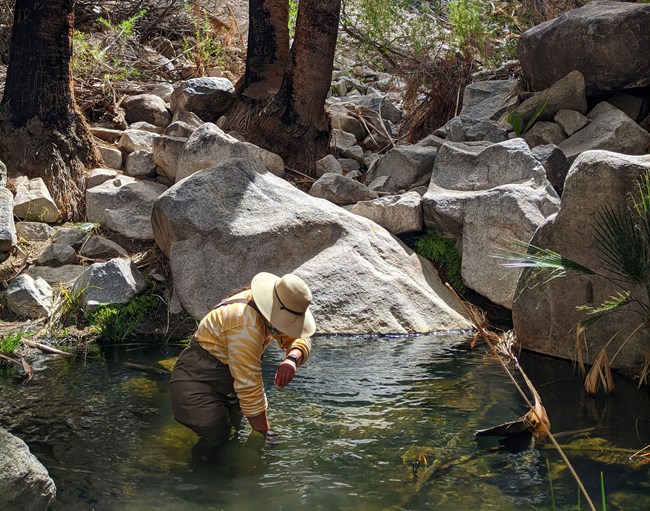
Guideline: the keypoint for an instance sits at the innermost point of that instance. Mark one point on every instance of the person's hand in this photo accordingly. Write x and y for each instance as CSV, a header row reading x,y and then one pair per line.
x,y
284,374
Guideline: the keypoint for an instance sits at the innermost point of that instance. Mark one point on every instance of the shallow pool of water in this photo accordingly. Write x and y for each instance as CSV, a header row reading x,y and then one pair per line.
x,y
348,431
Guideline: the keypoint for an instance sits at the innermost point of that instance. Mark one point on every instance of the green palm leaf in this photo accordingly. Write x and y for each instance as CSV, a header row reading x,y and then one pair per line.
x,y
543,261
607,307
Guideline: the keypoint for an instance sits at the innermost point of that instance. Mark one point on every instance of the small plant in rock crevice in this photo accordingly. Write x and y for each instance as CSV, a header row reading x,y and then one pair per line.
x,y
443,253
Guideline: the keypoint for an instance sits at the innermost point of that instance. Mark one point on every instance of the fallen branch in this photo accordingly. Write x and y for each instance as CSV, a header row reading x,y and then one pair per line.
x,y
534,410
156,371
46,348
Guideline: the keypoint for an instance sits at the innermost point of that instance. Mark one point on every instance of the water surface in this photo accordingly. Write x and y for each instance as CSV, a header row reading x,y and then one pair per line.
x,y
348,430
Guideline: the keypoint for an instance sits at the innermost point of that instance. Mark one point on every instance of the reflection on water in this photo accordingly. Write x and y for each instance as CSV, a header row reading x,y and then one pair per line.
x,y
348,428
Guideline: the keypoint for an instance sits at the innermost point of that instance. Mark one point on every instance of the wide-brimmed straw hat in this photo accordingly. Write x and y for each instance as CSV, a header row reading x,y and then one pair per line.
x,y
284,302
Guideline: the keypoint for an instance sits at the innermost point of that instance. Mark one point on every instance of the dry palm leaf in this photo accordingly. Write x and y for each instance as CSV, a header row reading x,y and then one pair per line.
x,y
643,377
600,374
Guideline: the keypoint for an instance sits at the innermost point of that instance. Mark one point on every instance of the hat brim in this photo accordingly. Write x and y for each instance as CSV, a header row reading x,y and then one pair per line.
x,y
290,324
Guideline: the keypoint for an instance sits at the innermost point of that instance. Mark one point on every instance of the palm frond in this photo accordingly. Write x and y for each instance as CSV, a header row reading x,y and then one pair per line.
x,y
605,308
619,244
544,262
600,374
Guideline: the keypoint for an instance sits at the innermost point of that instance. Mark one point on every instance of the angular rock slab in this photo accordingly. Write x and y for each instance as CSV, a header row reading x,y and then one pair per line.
x,y
33,201
114,282
485,197
29,297
545,316
397,214
8,236
124,205
24,481
223,225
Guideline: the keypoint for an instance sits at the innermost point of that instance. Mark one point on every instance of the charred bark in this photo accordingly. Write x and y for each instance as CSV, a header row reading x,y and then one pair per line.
x,y
43,132
293,123
267,53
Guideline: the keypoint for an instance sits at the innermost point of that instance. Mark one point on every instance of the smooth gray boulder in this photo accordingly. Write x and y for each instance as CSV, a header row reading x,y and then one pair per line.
x,y
57,254
70,236
29,297
207,97
100,175
209,145
555,164
566,93
140,164
148,108
545,314
124,205
114,282
25,484
484,105
606,41
221,226
98,247
485,197
111,155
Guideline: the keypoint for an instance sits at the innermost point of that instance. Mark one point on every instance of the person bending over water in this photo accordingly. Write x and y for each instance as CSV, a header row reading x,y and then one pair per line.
x,y
218,377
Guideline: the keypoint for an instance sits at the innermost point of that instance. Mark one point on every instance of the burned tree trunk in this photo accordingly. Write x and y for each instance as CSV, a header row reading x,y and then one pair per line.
x,y
267,53
43,132
293,124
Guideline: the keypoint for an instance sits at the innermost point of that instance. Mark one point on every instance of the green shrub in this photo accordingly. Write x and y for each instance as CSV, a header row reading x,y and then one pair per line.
x,y
442,252
115,323
202,47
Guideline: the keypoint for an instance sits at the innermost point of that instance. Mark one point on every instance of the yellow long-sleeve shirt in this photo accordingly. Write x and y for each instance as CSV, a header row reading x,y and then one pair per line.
x,y
237,335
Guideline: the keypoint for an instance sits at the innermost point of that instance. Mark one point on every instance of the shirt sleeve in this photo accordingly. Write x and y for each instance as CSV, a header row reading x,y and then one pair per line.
x,y
289,343
245,350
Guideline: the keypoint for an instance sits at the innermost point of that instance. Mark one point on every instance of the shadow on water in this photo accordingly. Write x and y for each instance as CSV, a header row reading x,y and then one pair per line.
x,y
348,431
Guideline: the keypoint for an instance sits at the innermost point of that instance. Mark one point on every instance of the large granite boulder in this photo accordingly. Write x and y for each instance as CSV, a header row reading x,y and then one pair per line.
x,y
24,482
606,41
545,315
485,197
221,226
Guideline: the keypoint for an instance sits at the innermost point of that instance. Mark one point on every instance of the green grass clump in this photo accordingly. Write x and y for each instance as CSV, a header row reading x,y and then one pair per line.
x,y
11,341
442,252
115,323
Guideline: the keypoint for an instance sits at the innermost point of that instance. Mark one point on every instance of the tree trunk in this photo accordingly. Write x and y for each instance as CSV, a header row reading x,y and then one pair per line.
x,y
43,133
267,53
293,124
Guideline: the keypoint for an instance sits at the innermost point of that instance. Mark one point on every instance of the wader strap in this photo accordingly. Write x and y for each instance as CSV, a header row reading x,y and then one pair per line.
x,y
250,303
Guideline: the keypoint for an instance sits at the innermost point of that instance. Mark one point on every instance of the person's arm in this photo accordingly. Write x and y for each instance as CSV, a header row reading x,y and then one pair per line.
x,y
245,349
287,368
260,423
